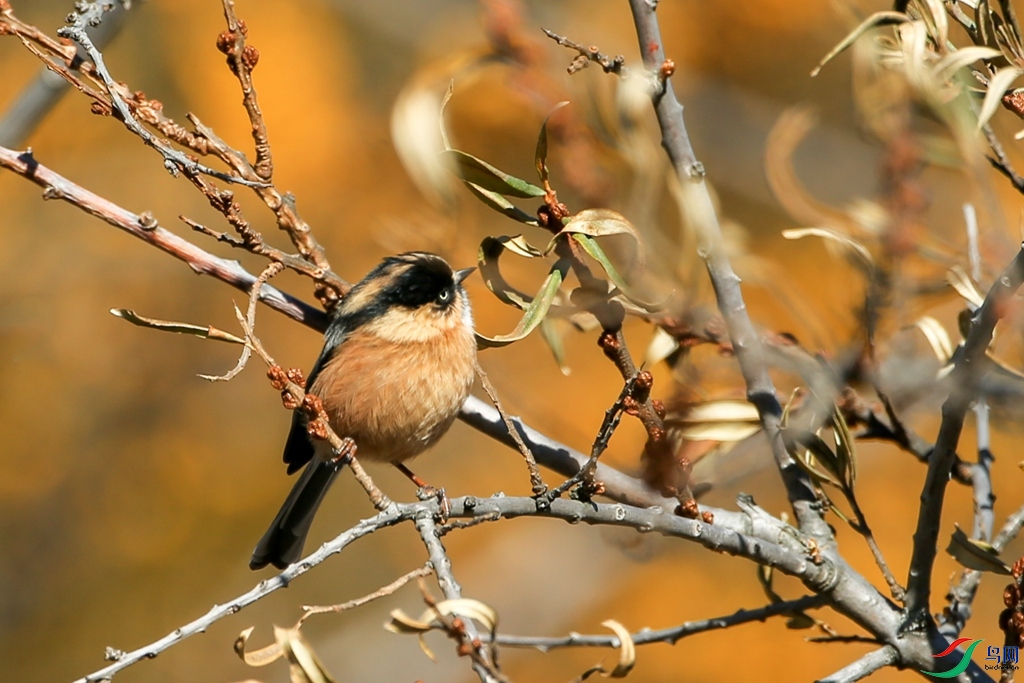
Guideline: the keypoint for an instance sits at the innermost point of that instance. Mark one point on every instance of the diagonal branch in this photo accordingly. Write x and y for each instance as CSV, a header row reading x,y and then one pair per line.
x,y
964,382
748,346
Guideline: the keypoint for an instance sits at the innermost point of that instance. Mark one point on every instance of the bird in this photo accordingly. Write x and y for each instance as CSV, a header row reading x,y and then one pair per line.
x,y
398,362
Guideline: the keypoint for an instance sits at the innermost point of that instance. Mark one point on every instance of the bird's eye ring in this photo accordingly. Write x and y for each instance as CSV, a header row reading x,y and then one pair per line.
x,y
443,296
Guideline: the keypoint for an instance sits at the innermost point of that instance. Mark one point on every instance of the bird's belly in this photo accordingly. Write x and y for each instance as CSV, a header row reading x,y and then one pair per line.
x,y
405,400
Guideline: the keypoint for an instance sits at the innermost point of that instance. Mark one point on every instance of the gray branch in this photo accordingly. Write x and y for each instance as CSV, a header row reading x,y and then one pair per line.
x,y
865,666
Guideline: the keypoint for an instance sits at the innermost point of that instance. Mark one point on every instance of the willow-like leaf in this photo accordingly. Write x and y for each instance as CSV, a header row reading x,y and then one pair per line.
x,y
724,420
541,156
595,251
997,87
500,204
479,172
975,554
845,451
876,19
488,256
810,450
552,334
534,312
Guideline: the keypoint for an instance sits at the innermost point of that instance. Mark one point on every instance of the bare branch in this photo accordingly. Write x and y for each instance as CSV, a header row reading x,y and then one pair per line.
x,y
865,666
964,380
667,635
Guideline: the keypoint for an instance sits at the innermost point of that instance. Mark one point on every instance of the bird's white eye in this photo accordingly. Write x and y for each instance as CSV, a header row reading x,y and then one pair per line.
x,y
444,295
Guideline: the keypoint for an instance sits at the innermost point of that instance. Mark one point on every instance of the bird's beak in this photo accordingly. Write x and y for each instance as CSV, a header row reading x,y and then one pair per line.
x,y
461,275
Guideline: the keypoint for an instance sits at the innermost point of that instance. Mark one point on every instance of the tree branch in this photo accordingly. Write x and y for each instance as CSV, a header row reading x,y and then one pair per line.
x,y
964,380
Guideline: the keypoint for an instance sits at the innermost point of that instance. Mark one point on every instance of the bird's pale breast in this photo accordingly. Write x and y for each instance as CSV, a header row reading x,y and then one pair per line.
x,y
397,399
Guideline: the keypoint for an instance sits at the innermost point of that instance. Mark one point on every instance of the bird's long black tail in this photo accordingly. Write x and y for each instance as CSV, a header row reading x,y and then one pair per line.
x,y
282,544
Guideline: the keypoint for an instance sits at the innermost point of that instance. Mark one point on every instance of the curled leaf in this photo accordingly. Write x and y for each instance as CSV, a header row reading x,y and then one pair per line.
x,y
975,554
304,665
534,312
958,278
937,338
482,174
954,61
488,256
207,332
876,19
835,236
812,454
627,649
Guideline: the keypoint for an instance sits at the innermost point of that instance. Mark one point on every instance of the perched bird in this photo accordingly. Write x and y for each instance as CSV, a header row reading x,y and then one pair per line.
x,y
398,362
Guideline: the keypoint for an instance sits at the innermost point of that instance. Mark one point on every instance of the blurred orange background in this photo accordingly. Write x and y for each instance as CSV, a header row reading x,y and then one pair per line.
x,y
132,492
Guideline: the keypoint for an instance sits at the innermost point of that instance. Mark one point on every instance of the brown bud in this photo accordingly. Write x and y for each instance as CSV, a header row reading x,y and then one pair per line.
x,y
708,517
656,434
288,400
250,57
659,408
317,429
278,378
242,28
689,509
295,375
630,406
99,109
226,42
313,405
1011,595
607,341
668,67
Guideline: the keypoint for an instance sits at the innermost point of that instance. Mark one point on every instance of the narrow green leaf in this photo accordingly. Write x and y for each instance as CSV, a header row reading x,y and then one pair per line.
x,y
481,173
500,204
810,450
552,333
845,450
975,554
541,157
535,311
595,251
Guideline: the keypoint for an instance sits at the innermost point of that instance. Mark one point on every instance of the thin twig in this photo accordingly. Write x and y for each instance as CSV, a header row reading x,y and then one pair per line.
x,y
174,160
250,321
585,476
36,101
666,635
310,610
537,484
611,65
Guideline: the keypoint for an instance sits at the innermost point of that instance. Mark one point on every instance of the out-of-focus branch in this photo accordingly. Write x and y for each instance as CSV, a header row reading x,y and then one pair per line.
x,y
666,635
748,346
44,92
963,380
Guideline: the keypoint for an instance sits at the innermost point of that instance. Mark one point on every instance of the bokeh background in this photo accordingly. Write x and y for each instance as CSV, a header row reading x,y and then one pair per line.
x,y
132,492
